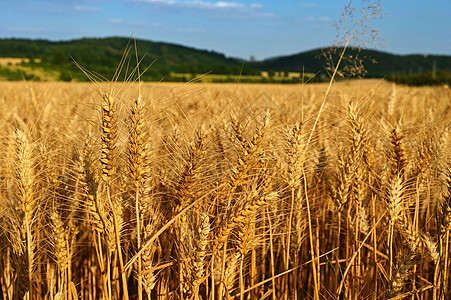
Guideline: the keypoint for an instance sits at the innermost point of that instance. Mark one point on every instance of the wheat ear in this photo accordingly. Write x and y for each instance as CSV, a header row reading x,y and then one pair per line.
x,y
187,192
138,170
398,158
199,262
107,160
240,216
60,238
88,185
401,275
247,160
24,175
293,176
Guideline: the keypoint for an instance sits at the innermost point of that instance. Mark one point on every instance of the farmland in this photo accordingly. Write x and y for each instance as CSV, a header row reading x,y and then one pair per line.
x,y
224,191
44,60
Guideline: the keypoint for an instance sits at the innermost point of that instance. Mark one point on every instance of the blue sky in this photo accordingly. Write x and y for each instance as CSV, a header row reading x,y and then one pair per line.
x,y
239,28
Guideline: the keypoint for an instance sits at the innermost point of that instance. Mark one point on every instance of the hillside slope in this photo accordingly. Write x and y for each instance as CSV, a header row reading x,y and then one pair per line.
x,y
101,56
377,63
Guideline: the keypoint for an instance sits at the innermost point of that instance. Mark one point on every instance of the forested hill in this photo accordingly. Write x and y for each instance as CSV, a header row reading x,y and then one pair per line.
x,y
377,63
175,62
103,56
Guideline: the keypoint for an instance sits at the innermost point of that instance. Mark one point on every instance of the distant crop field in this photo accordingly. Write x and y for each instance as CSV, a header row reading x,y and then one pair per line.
x,y
5,61
285,77
224,191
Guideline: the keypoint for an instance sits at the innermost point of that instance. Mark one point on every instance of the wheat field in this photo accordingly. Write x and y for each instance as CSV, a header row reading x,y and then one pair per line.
x,y
224,191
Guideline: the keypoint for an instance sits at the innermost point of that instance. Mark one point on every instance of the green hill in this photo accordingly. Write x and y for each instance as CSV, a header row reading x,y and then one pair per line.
x,y
377,63
101,56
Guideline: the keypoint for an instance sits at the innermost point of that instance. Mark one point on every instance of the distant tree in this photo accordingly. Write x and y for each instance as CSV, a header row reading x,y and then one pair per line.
x,y
59,58
65,76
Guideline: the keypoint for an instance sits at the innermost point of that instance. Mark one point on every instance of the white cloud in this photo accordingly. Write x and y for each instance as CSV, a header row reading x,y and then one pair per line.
x,y
116,21
311,19
230,9
324,19
222,4
200,4
85,8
